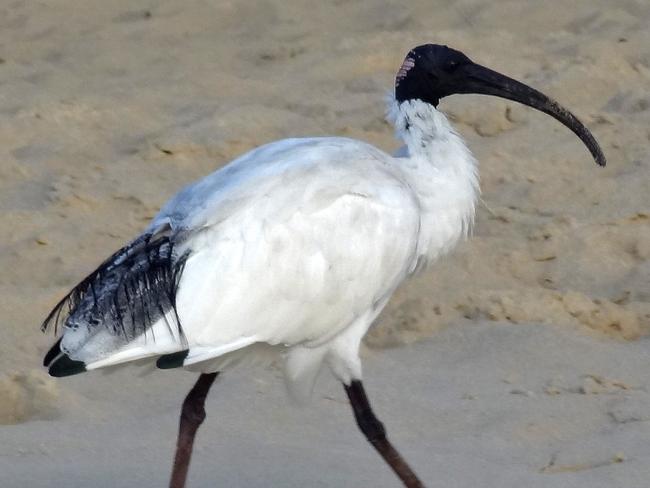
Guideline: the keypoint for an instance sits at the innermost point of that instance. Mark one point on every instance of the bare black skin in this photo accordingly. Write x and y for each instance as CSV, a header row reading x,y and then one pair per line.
x,y
439,71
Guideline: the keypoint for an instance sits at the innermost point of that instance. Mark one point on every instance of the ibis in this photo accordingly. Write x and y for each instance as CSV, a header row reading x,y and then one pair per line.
x,y
293,249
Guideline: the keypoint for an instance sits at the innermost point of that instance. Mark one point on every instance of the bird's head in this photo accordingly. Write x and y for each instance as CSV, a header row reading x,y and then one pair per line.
x,y
431,72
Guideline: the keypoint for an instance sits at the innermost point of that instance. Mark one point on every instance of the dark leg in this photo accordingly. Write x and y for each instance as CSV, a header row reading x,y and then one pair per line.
x,y
192,416
374,431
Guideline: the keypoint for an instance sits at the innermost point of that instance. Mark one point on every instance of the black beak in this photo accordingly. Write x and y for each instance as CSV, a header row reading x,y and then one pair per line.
x,y
474,78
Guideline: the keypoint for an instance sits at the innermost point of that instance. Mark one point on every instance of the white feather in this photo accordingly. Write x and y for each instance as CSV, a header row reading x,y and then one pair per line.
x,y
297,245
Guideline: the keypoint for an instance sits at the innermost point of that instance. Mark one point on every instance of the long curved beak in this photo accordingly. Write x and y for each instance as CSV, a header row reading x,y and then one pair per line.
x,y
481,80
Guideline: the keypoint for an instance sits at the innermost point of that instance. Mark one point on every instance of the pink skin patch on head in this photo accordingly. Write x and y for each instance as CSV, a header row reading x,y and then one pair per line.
x,y
404,69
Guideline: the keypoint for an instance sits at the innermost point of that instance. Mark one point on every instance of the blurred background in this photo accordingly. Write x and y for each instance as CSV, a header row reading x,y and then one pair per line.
x,y
520,358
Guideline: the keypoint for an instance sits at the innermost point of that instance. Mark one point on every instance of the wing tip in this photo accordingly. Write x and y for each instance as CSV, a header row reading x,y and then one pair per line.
x,y
54,351
64,366
173,360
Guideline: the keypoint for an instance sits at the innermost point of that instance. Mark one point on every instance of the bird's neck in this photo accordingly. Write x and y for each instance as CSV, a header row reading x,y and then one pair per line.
x,y
441,170
426,132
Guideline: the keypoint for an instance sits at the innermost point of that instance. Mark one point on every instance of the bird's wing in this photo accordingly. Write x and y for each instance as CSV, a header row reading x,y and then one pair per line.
x,y
306,237
288,244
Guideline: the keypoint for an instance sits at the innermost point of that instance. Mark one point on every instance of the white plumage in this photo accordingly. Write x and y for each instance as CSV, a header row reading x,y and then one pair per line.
x,y
299,244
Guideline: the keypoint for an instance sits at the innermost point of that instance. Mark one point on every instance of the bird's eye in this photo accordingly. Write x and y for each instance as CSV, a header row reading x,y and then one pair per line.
x,y
451,65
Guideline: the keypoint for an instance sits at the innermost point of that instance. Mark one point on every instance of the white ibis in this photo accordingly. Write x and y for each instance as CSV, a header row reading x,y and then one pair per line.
x,y
296,247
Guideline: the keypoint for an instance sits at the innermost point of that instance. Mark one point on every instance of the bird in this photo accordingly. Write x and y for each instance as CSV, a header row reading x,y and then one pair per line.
x,y
292,249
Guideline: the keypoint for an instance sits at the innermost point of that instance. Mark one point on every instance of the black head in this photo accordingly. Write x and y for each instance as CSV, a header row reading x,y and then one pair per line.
x,y
428,73
431,72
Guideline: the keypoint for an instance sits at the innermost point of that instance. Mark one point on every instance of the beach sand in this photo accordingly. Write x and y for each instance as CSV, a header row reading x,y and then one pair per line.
x,y
521,358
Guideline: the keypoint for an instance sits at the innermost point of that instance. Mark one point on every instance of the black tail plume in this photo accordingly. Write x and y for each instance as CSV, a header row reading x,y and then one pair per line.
x,y
127,293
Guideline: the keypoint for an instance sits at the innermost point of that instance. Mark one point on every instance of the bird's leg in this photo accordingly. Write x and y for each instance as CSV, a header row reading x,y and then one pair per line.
x,y
375,432
192,416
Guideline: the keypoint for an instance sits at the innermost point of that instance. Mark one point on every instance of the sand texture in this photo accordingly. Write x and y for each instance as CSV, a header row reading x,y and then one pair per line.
x,y
522,359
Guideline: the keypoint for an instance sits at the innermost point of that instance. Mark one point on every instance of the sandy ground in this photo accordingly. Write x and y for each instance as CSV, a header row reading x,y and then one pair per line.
x,y
522,357
477,406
